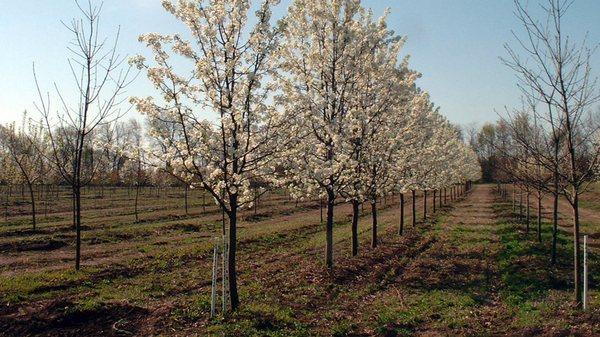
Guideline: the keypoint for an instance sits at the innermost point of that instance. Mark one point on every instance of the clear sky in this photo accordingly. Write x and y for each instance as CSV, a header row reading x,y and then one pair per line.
x,y
456,45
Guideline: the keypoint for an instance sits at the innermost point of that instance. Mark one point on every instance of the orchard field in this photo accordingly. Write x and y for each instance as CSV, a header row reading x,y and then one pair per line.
x,y
279,168
469,269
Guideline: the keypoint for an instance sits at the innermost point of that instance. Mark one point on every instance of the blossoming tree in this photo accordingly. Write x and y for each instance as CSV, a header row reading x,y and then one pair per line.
x,y
221,152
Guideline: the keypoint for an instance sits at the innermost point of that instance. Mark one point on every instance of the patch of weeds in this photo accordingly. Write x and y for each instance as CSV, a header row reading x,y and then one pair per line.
x,y
342,328
185,227
439,307
197,308
260,320
15,289
258,217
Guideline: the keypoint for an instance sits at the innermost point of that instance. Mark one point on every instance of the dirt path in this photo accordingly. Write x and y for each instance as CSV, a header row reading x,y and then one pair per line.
x,y
449,285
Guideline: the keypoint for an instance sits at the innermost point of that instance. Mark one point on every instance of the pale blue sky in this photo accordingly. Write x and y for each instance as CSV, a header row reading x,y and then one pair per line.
x,y
455,44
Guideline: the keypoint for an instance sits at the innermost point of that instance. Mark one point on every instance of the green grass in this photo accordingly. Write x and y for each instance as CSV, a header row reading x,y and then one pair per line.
x,y
256,320
440,308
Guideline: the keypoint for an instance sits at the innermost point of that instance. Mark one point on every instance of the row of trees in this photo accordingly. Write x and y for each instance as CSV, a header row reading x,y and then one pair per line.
x,y
320,104
551,144
113,157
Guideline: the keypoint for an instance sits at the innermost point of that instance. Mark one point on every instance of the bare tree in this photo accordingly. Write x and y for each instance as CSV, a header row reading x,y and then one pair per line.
x,y
556,72
100,80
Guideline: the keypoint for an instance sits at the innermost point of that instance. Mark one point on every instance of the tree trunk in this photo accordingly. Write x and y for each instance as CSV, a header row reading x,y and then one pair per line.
x,y
424,205
445,195
434,199
231,263
32,196
401,229
77,193
6,205
73,200
374,228
223,229
514,199
577,248
354,227
46,201
185,196
539,215
321,209
554,223
255,203
329,229
137,194
528,212
414,208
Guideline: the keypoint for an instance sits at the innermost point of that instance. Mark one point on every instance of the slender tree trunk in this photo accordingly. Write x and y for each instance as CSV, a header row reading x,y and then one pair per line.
x,y
77,193
255,204
539,215
401,230
223,229
374,227
554,223
424,205
528,211
434,199
6,204
329,229
32,196
137,194
321,209
231,263
354,226
46,201
440,198
185,196
577,248
414,208
74,202
514,199
445,195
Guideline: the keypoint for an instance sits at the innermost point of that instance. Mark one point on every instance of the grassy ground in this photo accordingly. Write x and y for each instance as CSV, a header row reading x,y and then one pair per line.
x,y
470,270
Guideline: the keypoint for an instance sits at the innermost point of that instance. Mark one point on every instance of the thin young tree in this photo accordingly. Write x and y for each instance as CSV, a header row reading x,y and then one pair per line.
x,y
100,77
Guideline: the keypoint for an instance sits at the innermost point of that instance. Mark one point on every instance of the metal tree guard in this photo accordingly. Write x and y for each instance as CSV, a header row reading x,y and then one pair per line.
x,y
220,260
